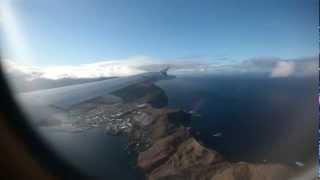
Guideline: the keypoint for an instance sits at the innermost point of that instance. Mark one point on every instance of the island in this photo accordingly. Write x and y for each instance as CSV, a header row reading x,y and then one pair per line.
x,y
159,136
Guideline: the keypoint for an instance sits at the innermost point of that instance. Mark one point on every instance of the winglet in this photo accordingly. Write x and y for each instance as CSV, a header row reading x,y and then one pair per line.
x,y
164,71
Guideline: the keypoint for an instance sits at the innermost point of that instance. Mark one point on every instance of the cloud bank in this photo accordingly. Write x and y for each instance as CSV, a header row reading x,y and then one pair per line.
x,y
112,68
271,67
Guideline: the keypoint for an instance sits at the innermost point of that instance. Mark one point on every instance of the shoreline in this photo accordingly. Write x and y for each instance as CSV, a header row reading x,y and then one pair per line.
x,y
165,148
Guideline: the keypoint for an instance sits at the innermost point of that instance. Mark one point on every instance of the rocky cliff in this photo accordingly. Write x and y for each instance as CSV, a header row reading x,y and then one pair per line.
x,y
167,150
174,153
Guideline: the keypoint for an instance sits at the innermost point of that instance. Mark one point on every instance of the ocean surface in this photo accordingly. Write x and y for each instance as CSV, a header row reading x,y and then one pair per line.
x,y
95,153
251,118
245,118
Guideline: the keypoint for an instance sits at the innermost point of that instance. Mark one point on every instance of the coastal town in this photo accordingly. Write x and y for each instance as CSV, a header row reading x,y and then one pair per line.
x,y
115,119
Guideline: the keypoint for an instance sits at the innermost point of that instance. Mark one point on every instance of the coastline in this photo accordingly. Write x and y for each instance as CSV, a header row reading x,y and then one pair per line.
x,y
165,147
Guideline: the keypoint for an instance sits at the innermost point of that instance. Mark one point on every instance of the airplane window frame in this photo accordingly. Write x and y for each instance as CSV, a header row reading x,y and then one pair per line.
x,y
35,145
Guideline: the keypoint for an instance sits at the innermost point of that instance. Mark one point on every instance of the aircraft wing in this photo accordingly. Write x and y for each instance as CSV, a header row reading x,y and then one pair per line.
x,y
63,98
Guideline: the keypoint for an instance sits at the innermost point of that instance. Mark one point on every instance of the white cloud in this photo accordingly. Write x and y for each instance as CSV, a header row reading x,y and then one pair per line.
x,y
283,69
110,68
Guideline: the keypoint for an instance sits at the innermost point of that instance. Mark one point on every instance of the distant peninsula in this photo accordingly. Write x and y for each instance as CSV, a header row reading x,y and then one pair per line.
x,y
166,149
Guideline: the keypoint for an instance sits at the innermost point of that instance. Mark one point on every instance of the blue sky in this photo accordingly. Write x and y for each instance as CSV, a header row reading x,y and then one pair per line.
x,y
60,32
